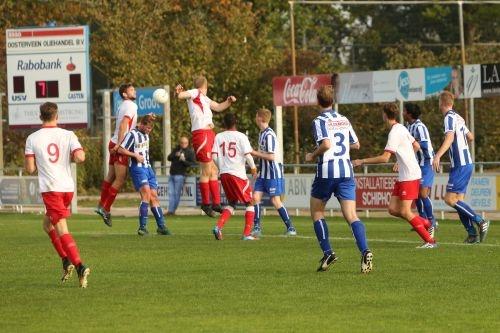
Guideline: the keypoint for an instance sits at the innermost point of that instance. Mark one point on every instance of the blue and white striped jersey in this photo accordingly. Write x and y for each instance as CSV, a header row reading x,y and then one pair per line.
x,y
459,150
137,142
268,143
335,162
420,132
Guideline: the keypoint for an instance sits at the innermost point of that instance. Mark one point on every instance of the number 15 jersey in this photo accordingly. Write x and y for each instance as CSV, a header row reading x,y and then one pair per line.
x,y
336,161
53,148
231,148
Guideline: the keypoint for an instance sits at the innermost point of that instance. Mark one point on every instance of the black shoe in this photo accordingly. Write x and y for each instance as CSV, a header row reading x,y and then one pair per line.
x,y
83,273
217,208
68,269
471,239
367,262
163,231
483,230
326,261
208,210
142,232
106,216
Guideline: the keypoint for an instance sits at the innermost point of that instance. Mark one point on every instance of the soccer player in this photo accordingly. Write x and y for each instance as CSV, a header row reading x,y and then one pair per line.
x,y
419,131
200,110
126,119
404,146
136,146
457,138
230,152
334,137
270,179
50,151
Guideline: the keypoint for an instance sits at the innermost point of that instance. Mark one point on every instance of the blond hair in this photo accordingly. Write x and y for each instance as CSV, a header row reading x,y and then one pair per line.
x,y
446,98
200,81
265,114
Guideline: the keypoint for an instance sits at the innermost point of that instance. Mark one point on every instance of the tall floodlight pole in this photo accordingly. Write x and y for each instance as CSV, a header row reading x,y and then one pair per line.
x,y
294,72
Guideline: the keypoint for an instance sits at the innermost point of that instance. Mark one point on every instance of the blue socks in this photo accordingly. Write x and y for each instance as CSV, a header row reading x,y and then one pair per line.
x,y
462,208
158,214
285,217
358,231
321,230
468,225
143,214
429,210
256,218
420,208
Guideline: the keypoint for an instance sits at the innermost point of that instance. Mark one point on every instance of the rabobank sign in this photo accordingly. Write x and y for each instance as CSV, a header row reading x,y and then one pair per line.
x,y
144,99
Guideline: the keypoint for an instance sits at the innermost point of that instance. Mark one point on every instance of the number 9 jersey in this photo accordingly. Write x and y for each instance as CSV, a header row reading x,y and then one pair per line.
x,y
53,148
335,162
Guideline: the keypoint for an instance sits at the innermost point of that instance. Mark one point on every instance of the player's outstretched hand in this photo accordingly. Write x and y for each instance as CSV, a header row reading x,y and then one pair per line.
x,y
139,158
231,99
179,89
309,157
357,163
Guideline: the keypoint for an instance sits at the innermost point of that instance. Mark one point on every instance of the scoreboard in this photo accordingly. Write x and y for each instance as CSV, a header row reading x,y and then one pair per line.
x,y
48,65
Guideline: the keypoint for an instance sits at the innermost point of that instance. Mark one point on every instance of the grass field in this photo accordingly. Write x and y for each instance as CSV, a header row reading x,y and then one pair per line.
x,y
190,282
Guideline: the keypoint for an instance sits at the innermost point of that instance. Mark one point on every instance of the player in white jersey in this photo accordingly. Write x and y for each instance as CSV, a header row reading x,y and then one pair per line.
x,y
231,150
411,113
270,179
200,110
334,137
136,146
50,150
457,138
404,146
126,119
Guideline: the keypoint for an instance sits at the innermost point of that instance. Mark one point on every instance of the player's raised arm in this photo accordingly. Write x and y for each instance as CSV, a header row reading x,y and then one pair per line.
x,y
181,93
219,107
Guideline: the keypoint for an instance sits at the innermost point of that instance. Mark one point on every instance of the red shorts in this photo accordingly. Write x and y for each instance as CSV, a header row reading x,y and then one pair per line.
x,y
236,189
57,205
115,157
407,190
203,141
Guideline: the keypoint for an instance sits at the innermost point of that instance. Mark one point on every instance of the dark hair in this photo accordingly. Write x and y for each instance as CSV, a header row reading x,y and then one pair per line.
x,y
123,88
325,96
48,111
391,110
413,110
147,120
200,81
229,120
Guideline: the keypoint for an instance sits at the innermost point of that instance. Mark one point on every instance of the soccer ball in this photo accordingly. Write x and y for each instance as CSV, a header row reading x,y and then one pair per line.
x,y
160,96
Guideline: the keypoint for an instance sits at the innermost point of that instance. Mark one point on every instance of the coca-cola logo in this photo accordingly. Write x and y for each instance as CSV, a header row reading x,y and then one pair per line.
x,y
303,92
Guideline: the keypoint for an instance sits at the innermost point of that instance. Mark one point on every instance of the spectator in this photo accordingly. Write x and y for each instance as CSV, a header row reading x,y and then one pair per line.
x,y
182,157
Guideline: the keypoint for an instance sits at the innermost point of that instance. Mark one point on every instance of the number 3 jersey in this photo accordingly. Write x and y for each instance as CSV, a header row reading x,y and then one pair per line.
x,y
336,161
231,148
137,142
53,148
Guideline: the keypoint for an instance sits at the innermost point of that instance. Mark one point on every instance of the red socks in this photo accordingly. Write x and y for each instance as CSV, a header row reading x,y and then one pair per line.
x,y
214,191
205,193
418,223
249,215
224,216
57,244
104,192
69,245
110,198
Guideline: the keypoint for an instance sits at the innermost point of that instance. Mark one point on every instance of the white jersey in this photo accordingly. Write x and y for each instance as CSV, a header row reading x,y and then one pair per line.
x,y
52,148
400,143
336,161
231,148
459,150
128,109
199,110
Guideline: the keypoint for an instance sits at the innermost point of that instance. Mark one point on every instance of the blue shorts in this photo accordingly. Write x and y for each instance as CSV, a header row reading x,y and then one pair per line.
x,y
459,178
427,176
143,176
273,187
342,188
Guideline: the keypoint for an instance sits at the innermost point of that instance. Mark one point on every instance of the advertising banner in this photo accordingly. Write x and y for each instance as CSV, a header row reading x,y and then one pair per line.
x,y
298,90
410,84
436,80
355,88
472,81
188,195
490,80
19,191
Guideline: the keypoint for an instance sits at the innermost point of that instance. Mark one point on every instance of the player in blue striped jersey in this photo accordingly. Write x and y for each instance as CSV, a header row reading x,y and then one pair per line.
x,y
457,138
334,137
136,145
425,154
270,179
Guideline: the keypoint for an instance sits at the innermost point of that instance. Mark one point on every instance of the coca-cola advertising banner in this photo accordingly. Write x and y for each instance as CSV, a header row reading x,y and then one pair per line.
x,y
298,90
